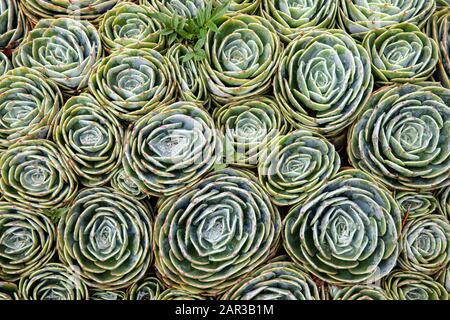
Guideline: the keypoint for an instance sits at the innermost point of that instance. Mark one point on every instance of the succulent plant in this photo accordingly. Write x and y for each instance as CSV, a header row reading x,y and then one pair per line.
x,y
241,6
346,232
132,82
90,10
27,240
54,281
293,166
148,288
107,295
399,137
241,57
215,232
8,291
438,28
292,18
444,202
401,53
248,125
34,173
91,138
425,245
411,285
323,81
359,292
278,280
178,294
106,237
13,25
184,8
122,182
63,49
171,148
358,17
415,205
5,64
29,103
444,278
130,25
190,81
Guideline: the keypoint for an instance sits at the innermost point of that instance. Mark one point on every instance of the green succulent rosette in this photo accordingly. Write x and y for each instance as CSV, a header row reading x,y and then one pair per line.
x,y
241,57
190,81
178,294
323,81
91,138
107,295
8,291
90,10
357,17
346,232
64,50
444,202
359,292
293,166
438,28
130,25
54,281
214,233
5,64
248,125
171,148
122,182
132,82
401,53
29,103
13,25
425,245
106,237
399,137
278,280
411,285
416,205
27,240
148,288
292,18
36,174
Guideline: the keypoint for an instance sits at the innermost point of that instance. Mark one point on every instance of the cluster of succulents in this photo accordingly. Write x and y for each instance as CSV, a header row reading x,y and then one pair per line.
x,y
224,149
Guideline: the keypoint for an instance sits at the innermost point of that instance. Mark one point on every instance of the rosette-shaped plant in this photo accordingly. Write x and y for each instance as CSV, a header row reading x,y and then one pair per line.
x,y
27,240
295,165
106,237
171,148
191,83
183,8
215,232
241,57
5,64
90,10
279,280
29,103
347,231
13,25
401,53
439,28
444,202
402,137
35,173
8,291
323,81
425,244
359,292
91,138
107,295
358,17
149,288
410,285
292,18
415,205
177,294
248,125
122,182
130,25
132,82
64,50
